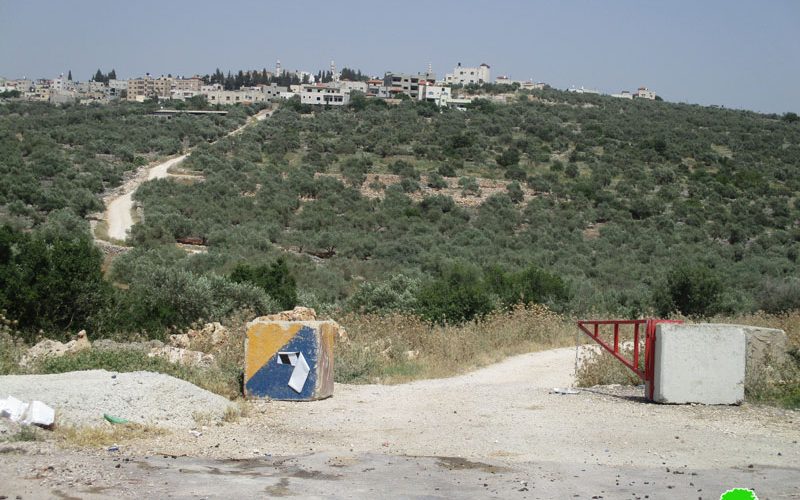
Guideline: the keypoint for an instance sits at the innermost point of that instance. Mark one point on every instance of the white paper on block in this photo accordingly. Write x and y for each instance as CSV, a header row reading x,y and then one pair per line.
x,y
12,408
299,374
40,414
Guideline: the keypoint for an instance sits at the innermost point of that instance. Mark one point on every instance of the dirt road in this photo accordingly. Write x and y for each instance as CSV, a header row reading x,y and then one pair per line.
x,y
119,212
494,432
119,206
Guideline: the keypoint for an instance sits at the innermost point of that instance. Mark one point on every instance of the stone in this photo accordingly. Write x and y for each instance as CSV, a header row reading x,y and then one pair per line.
x,y
699,363
211,336
80,343
767,354
289,360
112,345
182,356
297,314
180,340
48,348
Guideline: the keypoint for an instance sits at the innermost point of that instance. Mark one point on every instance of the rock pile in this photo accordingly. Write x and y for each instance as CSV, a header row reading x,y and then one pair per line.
x,y
52,349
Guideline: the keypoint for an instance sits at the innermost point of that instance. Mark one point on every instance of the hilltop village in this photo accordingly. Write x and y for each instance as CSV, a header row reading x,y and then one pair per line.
x,y
329,88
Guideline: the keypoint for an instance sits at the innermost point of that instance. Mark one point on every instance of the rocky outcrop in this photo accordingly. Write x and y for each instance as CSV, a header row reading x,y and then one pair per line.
x,y
183,356
297,314
53,349
210,337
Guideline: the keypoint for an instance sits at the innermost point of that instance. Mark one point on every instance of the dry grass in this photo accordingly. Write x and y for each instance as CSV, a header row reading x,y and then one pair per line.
x,y
398,348
12,348
104,435
601,368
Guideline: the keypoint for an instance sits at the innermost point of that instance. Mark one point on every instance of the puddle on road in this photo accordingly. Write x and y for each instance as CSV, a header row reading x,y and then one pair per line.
x,y
279,490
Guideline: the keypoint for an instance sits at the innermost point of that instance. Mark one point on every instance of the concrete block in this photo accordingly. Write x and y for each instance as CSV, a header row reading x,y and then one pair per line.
x,y
289,360
702,363
767,354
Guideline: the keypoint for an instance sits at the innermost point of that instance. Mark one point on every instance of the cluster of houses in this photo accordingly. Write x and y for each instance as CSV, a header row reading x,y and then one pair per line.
x,y
641,93
393,87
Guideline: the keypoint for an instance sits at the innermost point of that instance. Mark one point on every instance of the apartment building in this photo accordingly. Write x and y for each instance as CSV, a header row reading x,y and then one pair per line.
x,y
645,93
465,75
404,83
191,84
272,91
437,94
245,95
350,85
376,88
322,95
625,94
148,87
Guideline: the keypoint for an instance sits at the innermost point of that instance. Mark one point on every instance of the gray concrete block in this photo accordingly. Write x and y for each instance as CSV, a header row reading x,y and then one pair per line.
x,y
767,353
702,363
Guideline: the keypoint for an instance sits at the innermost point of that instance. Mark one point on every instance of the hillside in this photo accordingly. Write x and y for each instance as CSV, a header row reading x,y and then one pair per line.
x,y
53,158
588,204
605,193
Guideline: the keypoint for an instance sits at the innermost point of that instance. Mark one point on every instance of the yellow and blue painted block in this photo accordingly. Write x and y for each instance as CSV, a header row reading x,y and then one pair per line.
x,y
289,360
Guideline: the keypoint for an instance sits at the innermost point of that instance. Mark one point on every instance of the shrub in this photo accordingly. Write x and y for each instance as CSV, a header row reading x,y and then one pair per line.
x,y
515,192
404,169
162,297
458,294
690,290
469,185
532,285
50,281
780,296
449,169
398,293
275,279
436,181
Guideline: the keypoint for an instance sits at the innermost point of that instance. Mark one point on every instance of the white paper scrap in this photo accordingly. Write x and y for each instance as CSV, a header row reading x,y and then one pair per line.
x,y
558,390
299,374
12,408
40,414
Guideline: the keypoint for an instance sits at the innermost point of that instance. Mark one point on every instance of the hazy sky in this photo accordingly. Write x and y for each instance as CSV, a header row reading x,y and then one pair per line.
x,y
740,54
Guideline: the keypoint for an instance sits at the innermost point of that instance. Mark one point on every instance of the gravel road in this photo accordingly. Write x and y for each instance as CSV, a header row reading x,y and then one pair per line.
x,y
496,432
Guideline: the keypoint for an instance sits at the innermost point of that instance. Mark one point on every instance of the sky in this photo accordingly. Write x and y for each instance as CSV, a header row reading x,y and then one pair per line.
x,y
736,53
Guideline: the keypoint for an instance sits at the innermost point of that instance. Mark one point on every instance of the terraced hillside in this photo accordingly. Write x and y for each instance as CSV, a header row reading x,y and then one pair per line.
x,y
607,194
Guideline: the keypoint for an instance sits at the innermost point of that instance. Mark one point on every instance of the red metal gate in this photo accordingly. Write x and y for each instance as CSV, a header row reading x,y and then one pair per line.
x,y
593,328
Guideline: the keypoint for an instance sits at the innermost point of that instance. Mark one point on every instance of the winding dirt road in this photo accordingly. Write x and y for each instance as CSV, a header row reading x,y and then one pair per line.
x,y
496,432
119,212
119,205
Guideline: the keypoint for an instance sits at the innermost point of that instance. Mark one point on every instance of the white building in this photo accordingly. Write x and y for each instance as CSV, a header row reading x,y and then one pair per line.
x,y
182,95
272,91
623,95
465,76
645,93
437,94
324,95
583,90
349,85
118,85
245,95
505,80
